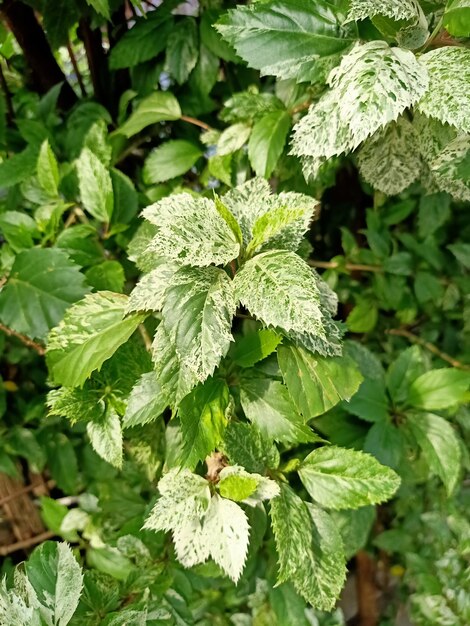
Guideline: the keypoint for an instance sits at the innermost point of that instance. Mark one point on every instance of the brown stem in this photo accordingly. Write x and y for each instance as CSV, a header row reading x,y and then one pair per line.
x,y
26,543
196,122
300,107
22,22
402,332
97,62
20,492
73,59
24,340
353,267
8,99
146,337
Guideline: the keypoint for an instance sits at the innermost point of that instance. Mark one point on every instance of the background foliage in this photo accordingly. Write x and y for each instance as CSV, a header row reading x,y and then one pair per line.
x,y
174,179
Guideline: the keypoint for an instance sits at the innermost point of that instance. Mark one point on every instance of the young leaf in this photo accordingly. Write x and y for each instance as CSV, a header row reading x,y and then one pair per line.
x,y
247,202
160,106
439,445
448,98
149,293
338,478
48,170
96,188
285,39
267,404
372,86
57,580
267,141
197,314
203,417
238,485
280,289
170,159
43,283
316,383
106,437
309,548
91,332
255,347
192,231
439,389
390,159
101,7
146,402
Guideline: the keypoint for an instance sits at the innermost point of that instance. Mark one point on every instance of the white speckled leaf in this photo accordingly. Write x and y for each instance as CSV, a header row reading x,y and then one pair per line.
x,y
309,548
184,496
191,231
149,293
395,9
247,203
197,314
390,160
106,437
448,97
227,531
371,87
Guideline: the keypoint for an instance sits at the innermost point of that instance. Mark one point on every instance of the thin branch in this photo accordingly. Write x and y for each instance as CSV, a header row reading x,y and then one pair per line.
x,y
24,340
146,337
300,107
76,69
352,267
12,496
26,543
196,122
402,332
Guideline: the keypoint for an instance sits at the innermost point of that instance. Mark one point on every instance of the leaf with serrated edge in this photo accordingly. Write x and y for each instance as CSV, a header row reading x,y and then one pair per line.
x,y
372,86
317,383
90,333
191,231
338,478
146,402
197,315
394,9
149,293
255,347
309,548
106,437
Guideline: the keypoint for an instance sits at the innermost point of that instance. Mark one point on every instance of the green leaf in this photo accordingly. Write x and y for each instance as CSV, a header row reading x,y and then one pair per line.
x,y
62,461
101,7
233,138
146,402
245,445
354,526
106,437
284,226
182,50
76,404
461,251
197,314
57,580
229,218
160,106
385,442
434,211
309,548
390,159
281,290
408,366
369,402
48,170
316,383
267,141
448,98
285,38
90,333
255,347
42,284
338,478
18,229
385,80
363,318
456,19
439,445
96,188
18,167
439,389
203,417
58,19
237,486
126,204
170,159
144,41
267,404
191,230
106,276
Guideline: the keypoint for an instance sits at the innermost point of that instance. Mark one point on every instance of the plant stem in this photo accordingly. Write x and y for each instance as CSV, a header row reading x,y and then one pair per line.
x,y
76,69
196,122
353,267
402,332
8,99
24,340
300,107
